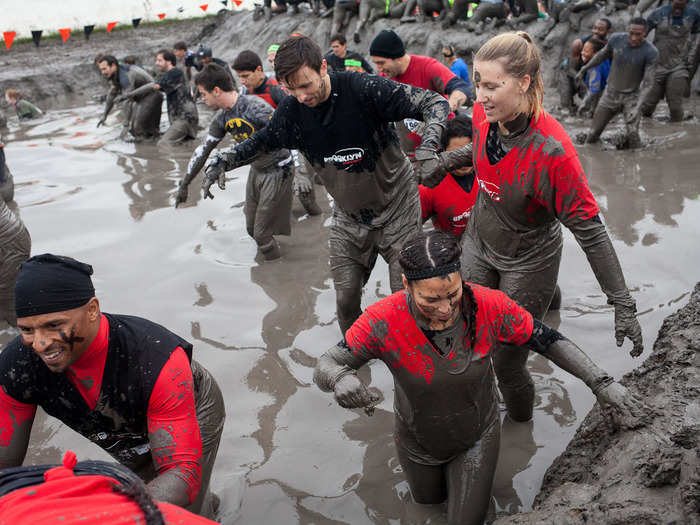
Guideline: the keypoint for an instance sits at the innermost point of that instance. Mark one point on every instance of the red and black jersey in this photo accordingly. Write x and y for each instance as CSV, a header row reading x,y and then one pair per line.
x,y
448,204
134,380
540,178
452,395
270,91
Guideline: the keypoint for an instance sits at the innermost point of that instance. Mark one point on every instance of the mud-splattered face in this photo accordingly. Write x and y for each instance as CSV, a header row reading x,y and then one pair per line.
x,y
389,67
438,298
636,34
107,70
251,79
456,143
60,338
310,87
339,49
600,30
501,95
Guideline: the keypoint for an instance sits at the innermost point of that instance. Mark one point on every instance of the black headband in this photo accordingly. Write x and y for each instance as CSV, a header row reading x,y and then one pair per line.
x,y
50,283
434,271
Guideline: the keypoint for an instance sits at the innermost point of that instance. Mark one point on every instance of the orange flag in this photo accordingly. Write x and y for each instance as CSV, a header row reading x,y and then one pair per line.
x,y
65,33
161,15
203,7
9,37
110,26
238,2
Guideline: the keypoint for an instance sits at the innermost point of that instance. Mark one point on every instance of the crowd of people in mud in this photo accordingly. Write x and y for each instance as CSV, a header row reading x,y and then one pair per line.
x,y
476,153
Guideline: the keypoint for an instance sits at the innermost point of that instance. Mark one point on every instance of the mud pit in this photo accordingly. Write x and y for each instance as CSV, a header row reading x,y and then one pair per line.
x,y
289,454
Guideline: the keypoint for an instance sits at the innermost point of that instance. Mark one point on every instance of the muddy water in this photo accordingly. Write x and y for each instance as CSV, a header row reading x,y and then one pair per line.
x,y
289,454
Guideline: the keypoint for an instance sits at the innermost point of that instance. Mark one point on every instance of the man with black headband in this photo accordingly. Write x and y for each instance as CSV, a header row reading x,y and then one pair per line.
x,y
125,383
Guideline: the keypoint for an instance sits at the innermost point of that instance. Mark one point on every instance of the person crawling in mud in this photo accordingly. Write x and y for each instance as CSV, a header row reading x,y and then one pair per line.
x,y
25,109
127,384
630,55
268,201
142,111
436,338
531,182
342,123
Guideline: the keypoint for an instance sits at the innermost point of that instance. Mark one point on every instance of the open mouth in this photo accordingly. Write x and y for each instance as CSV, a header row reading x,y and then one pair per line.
x,y
52,356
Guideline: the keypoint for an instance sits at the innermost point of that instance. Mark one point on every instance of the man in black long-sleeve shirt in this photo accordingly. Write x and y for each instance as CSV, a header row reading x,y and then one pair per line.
x,y
342,124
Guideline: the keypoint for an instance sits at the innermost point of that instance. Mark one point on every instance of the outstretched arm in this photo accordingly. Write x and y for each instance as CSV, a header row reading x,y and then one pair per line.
x,y
109,104
16,421
141,90
336,371
199,157
600,57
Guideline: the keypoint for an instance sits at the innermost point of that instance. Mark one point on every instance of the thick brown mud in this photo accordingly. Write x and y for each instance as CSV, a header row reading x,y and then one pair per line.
x,y
289,454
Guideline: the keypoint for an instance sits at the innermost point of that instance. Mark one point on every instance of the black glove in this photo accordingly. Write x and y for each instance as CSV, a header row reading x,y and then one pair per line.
x,y
429,167
214,172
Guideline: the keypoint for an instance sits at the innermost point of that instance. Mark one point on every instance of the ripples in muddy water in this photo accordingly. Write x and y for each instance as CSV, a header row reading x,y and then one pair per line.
x,y
288,453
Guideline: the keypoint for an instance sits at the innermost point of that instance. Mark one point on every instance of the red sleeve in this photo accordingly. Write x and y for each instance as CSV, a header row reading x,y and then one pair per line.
x,y
439,76
362,337
514,322
173,429
12,414
426,203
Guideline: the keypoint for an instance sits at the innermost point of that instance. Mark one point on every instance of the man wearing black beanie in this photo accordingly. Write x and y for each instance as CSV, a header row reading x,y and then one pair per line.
x,y
127,384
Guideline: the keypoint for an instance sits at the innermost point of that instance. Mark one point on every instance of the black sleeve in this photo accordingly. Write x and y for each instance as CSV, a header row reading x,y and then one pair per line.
x,y
277,94
457,84
171,80
366,66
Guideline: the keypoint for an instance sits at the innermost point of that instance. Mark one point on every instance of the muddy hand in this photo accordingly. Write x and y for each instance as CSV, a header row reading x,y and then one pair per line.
x,y
301,184
181,196
376,398
214,172
625,409
101,122
351,393
429,168
626,325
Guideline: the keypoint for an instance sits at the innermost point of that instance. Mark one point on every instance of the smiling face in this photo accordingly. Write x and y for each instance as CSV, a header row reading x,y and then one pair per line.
x,y
60,338
600,30
310,87
389,67
437,298
162,64
107,70
501,95
587,52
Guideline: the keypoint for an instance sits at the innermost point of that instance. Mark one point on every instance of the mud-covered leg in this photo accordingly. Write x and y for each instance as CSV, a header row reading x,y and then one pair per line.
x,y
653,95
470,479
533,291
676,87
274,207
630,111
393,237
427,482
604,113
146,115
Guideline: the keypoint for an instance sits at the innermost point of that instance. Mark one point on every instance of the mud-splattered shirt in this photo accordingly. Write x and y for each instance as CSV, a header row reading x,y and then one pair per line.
x,y
247,118
675,36
181,106
442,402
450,203
109,419
427,73
628,64
352,144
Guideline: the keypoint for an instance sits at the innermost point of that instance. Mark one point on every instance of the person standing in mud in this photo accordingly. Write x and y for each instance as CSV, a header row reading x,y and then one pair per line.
x,y
182,111
248,67
630,55
142,111
127,384
436,338
677,26
596,78
567,85
268,202
531,182
342,123
15,242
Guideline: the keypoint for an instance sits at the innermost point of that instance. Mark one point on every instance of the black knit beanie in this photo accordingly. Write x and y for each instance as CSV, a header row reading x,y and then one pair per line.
x,y
387,44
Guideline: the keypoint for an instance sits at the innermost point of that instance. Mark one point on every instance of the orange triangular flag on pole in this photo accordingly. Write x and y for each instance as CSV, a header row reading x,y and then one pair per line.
x,y
161,15
110,26
9,37
65,33
203,7
238,2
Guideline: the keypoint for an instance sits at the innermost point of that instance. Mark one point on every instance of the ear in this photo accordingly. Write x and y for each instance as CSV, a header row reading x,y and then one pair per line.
x,y
259,68
405,281
93,309
524,83
324,68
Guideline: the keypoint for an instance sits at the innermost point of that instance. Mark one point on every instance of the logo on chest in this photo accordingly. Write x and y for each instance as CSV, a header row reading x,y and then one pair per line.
x,y
491,189
240,129
346,159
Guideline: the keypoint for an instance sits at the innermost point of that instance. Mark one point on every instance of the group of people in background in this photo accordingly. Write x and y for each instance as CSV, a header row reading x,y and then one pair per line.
x,y
393,143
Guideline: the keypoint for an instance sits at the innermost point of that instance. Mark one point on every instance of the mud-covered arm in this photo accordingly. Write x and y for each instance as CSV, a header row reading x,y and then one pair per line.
x,y
16,421
458,92
109,104
142,90
174,434
200,156
336,371
642,6
600,57
595,242
694,49
433,173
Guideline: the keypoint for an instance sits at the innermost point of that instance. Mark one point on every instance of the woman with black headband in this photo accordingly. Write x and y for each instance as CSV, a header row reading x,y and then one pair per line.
x,y
436,337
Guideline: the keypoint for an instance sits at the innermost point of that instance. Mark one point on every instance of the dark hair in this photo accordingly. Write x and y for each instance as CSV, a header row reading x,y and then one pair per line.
x,y
137,492
168,56
130,59
247,61
607,22
597,43
460,126
110,59
295,53
638,21
180,44
213,75
340,38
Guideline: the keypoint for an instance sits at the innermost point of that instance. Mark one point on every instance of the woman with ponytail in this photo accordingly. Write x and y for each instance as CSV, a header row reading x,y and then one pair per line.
x,y
436,337
531,182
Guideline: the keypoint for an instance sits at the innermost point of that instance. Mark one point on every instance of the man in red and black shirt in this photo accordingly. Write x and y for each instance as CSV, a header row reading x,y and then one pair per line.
x,y
127,384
